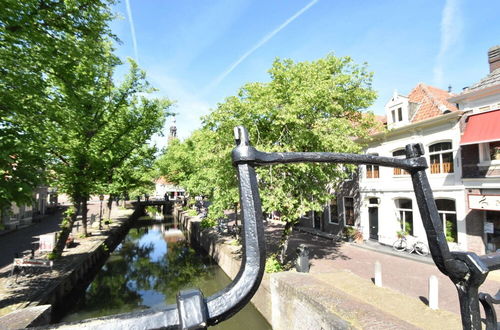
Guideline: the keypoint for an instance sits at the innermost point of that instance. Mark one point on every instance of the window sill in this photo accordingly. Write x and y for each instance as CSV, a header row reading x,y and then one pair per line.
x,y
488,163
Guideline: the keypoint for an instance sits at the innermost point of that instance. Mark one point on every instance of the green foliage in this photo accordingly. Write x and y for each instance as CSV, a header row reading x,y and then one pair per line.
x,y
192,213
151,210
104,247
306,106
273,265
62,109
451,231
208,223
402,233
53,256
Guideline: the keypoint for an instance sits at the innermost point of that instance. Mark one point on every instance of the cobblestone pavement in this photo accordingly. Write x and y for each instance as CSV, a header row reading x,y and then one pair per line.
x,y
406,274
21,240
31,287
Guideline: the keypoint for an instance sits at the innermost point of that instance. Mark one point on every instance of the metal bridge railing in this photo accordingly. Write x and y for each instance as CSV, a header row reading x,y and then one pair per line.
x,y
193,311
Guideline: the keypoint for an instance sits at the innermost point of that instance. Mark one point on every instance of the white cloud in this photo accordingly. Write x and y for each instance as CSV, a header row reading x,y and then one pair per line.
x,y
451,29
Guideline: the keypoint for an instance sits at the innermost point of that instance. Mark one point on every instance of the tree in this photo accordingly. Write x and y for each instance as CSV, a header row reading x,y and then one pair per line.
x,y
307,106
103,128
58,89
39,39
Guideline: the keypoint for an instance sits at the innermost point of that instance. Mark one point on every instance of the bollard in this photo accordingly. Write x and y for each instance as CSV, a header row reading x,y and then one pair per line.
x,y
302,263
433,292
378,273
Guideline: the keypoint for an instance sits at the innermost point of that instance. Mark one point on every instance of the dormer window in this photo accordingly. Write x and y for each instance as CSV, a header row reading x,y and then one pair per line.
x,y
397,115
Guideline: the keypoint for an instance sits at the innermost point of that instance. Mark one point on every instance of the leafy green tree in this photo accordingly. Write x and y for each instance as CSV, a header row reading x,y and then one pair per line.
x,y
58,87
307,106
38,39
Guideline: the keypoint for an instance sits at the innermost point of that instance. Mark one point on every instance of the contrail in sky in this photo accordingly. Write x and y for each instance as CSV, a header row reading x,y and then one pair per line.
x,y
451,29
132,30
264,40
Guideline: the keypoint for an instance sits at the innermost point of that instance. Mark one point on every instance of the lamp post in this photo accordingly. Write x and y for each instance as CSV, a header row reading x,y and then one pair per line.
x,y
101,198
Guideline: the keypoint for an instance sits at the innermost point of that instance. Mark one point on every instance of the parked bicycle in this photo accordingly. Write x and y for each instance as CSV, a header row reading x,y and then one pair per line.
x,y
411,244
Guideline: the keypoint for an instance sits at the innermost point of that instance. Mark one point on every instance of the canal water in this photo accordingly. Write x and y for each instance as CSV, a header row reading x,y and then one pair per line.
x,y
148,269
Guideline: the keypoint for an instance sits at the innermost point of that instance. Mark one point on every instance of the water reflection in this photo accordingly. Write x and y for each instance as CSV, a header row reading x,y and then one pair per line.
x,y
147,270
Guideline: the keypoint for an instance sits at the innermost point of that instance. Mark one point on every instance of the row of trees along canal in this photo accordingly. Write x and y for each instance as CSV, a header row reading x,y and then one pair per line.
x,y
307,106
66,119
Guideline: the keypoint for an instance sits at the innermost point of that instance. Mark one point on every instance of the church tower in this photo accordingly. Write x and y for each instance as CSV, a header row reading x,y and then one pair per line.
x,y
173,131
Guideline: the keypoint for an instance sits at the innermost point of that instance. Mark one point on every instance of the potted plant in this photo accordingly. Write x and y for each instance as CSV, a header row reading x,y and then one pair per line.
x,y
496,153
401,233
352,234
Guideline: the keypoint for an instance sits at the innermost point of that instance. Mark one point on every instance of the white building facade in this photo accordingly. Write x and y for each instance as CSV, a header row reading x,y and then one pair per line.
x,y
387,202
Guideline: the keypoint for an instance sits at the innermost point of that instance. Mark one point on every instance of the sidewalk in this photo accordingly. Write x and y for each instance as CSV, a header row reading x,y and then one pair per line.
x,y
407,274
32,290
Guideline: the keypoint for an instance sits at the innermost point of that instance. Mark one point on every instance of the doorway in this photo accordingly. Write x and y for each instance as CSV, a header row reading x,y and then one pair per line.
x,y
373,222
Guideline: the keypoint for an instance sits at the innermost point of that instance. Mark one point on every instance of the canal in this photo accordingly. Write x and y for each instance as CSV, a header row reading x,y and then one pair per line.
x,y
148,269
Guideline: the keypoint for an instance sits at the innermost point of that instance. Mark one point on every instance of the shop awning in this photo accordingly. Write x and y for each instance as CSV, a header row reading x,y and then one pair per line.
x,y
481,128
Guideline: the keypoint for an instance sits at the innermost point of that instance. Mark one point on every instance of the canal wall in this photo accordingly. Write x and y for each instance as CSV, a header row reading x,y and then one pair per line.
x,y
335,300
47,296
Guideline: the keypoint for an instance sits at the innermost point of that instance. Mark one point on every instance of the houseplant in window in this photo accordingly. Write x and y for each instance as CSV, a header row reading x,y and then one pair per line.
x,y
495,155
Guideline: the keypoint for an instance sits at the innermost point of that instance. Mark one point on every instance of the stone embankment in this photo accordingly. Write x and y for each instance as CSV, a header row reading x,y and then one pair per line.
x,y
38,299
336,299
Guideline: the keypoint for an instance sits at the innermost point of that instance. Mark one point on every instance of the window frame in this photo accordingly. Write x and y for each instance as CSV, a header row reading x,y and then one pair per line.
x,y
330,211
485,158
345,213
440,155
402,220
373,169
442,215
399,172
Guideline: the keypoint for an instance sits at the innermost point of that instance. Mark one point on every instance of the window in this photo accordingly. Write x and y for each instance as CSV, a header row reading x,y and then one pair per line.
x,y
494,150
441,158
399,154
349,211
333,211
400,114
448,214
393,112
372,171
404,210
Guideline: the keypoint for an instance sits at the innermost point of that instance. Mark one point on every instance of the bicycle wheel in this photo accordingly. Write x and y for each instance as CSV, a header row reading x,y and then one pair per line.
x,y
399,245
421,248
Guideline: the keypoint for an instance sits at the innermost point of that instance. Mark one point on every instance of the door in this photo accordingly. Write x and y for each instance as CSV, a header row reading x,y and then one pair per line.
x,y
373,222
317,220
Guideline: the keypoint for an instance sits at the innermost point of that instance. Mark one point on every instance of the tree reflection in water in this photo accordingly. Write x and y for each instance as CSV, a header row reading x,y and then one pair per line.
x,y
144,268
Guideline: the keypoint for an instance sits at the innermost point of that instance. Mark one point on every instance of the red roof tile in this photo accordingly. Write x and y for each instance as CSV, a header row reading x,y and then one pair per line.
x,y
430,102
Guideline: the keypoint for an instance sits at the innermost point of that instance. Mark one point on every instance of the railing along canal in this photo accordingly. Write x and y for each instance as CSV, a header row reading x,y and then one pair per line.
x,y
465,269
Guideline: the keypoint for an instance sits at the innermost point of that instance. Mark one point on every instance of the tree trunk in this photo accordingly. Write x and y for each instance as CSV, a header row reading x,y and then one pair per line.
x,y
283,245
110,205
84,215
66,230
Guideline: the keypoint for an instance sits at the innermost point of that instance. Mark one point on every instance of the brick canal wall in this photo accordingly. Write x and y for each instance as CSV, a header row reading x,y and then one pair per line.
x,y
43,298
333,300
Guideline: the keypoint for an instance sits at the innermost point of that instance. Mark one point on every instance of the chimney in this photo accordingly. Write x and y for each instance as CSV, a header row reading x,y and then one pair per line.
x,y
494,57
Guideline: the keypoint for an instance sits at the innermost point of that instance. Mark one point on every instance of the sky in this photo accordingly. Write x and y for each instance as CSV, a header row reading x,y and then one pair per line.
x,y
200,52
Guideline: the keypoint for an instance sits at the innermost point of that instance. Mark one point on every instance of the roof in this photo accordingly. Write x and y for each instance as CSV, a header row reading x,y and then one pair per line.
x,y
430,102
492,79
162,180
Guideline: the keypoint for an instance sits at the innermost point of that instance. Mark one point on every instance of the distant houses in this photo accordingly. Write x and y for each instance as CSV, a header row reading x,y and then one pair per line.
x,y
165,189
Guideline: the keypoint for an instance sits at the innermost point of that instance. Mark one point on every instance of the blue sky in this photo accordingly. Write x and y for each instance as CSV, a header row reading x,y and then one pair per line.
x,y
200,52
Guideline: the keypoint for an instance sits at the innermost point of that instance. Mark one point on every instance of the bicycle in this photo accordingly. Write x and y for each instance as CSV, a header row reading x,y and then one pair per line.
x,y
418,247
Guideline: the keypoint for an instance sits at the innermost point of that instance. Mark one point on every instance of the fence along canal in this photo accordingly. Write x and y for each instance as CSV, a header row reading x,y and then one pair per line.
x,y
147,270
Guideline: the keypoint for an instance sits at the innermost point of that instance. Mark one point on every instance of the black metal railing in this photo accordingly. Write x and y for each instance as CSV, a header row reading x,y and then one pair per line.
x,y
465,269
